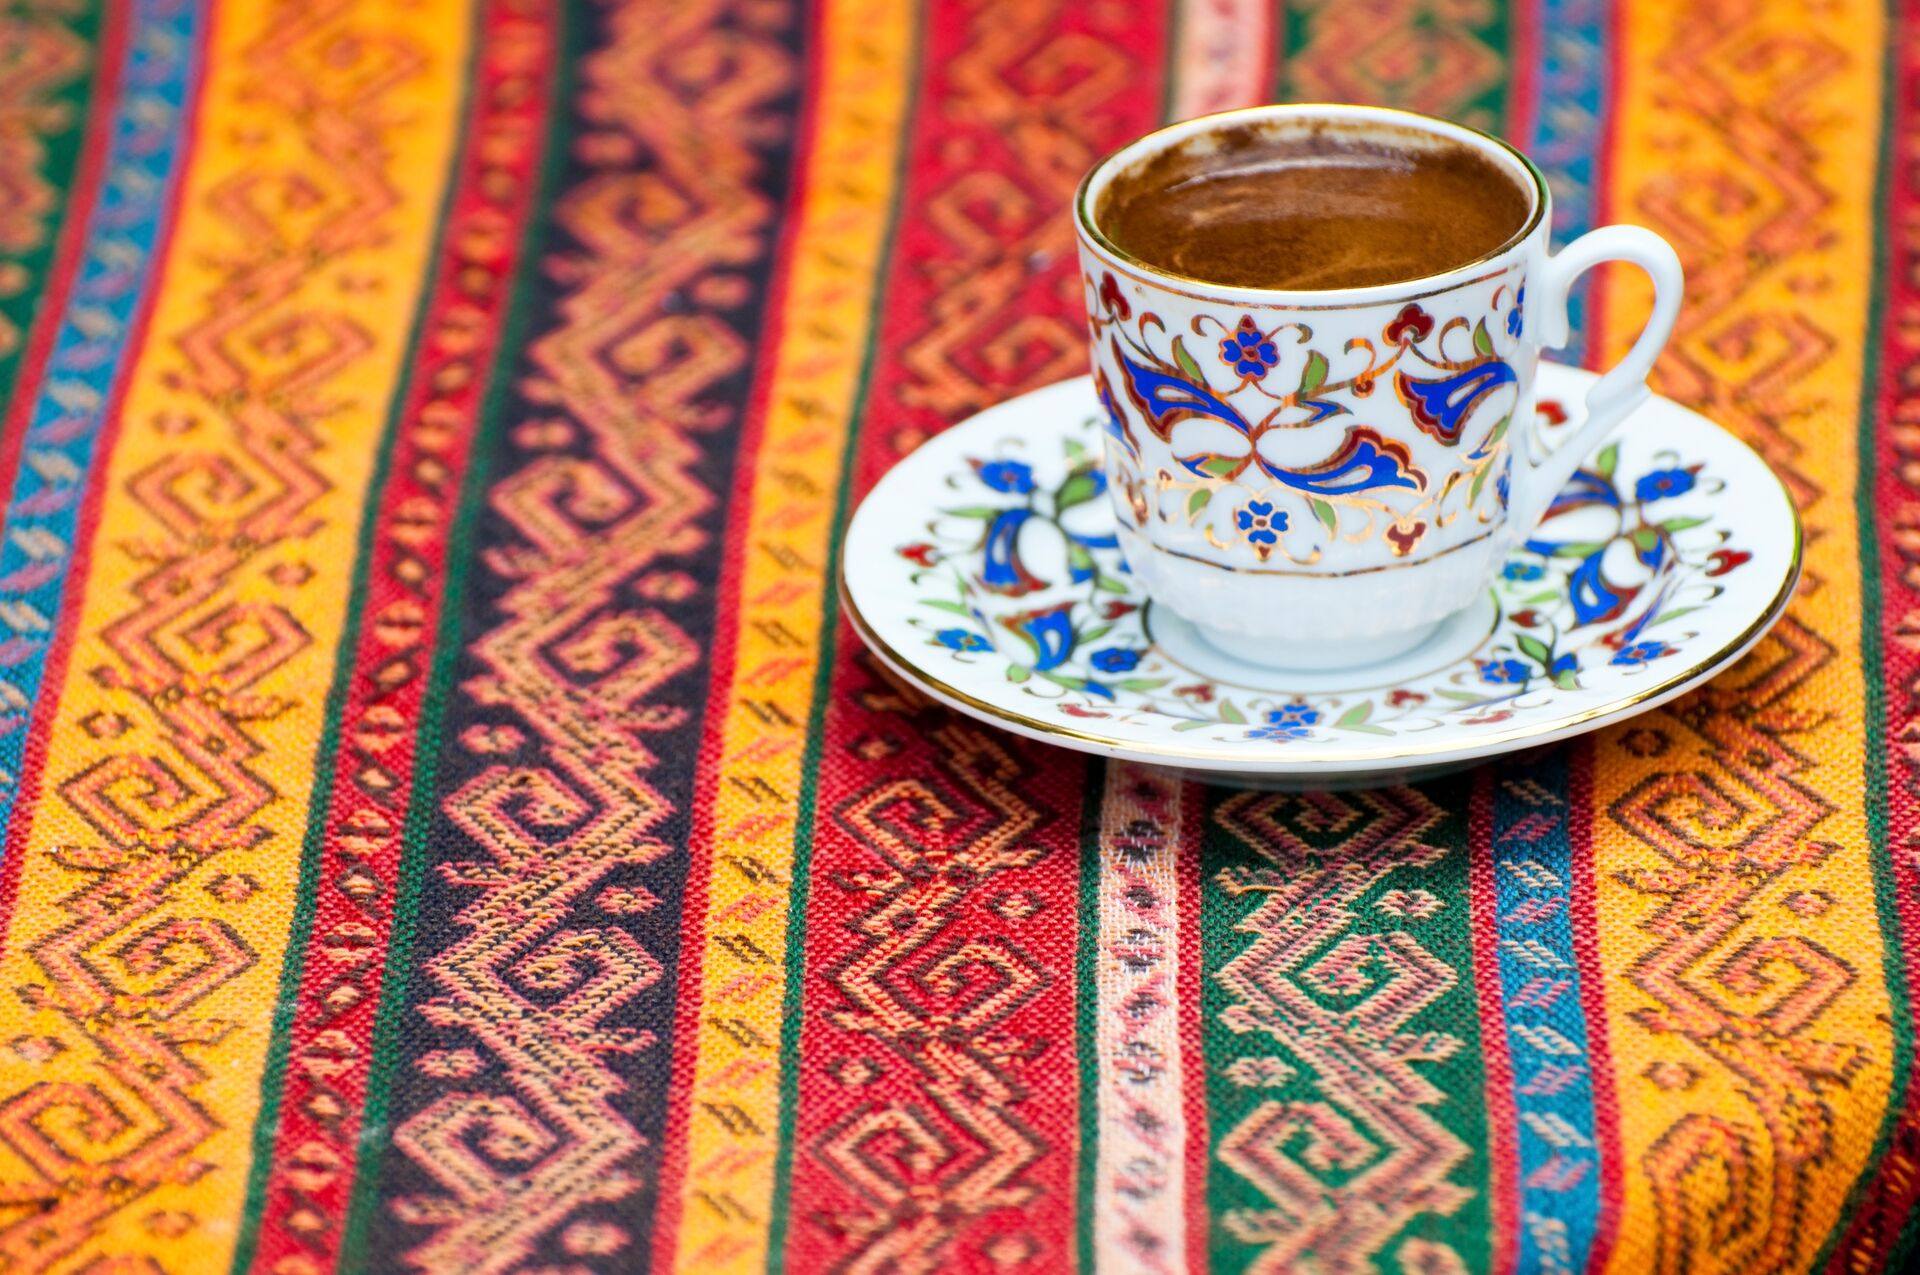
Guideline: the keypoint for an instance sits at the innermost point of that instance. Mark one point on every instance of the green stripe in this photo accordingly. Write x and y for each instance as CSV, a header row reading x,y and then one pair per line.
x,y
1447,938
266,1125
1429,25
807,809
1170,62
70,105
1872,650
1087,1005
424,802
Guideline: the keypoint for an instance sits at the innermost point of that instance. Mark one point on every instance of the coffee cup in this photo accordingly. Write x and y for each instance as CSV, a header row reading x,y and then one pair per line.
x,y
1318,460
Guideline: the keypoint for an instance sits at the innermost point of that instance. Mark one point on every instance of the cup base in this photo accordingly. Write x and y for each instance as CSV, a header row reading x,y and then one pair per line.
x,y
1277,653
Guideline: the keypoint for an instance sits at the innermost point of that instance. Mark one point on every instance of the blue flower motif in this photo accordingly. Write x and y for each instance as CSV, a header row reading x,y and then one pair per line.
x,y
1504,483
1248,352
1513,315
1640,652
1279,732
961,640
1289,721
1114,659
1260,520
1298,713
1662,483
1522,572
1568,663
1510,672
1005,475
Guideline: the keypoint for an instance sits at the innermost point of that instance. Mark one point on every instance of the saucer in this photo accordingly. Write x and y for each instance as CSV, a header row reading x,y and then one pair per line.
x,y
984,570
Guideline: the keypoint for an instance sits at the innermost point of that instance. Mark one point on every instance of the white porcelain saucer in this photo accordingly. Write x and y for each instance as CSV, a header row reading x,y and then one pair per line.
x,y
983,570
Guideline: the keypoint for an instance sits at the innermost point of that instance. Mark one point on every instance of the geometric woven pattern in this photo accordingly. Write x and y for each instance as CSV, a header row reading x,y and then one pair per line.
x,y
447,825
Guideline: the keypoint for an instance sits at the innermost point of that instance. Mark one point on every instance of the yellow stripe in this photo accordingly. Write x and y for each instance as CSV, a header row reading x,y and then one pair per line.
x,y
848,197
1759,855
161,875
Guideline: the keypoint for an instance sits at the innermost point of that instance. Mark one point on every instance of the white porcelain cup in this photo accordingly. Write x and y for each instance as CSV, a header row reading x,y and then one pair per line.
x,y
1318,479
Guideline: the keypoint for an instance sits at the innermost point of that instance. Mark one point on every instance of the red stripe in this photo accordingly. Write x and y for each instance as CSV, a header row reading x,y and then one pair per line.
x,y
53,674
725,656
1593,1001
1503,1147
331,1039
1270,58
1193,1061
82,197
1892,1189
1523,74
945,861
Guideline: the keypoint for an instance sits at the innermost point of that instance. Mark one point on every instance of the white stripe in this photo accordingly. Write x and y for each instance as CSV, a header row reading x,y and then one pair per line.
x,y
1140,1179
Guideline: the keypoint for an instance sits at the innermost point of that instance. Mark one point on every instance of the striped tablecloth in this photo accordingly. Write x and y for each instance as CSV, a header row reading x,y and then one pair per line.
x,y
448,826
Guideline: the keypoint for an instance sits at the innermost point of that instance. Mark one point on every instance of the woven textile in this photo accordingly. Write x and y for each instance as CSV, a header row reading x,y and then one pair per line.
x,y
449,827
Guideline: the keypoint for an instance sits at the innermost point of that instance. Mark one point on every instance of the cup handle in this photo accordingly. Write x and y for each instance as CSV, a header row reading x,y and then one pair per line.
x,y
1622,388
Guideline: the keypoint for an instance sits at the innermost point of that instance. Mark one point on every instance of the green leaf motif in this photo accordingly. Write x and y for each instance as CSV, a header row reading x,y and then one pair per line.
x,y
1645,539
1534,649
1578,549
1186,361
1604,463
1228,713
975,511
1017,673
1672,525
1198,501
1193,724
1220,466
1537,599
1110,585
1482,340
1567,680
1314,375
1079,557
1077,490
1329,516
1479,483
1141,683
1460,696
1356,715
941,604
1093,634
1674,614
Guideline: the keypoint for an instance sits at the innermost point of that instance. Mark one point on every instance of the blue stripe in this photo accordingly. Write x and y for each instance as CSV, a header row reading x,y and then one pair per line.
x,y
1559,1162
91,352
1567,120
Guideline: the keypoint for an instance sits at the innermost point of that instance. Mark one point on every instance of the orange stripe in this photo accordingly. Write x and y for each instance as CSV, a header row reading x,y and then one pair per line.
x,y
159,877
746,828
1748,1015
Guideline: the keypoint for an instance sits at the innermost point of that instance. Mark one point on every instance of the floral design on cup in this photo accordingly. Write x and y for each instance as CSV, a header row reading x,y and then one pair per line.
x,y
1262,524
1444,371
1248,350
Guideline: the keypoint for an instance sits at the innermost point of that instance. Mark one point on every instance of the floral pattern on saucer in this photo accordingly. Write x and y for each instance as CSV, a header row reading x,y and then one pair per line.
x,y
1020,570
984,570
